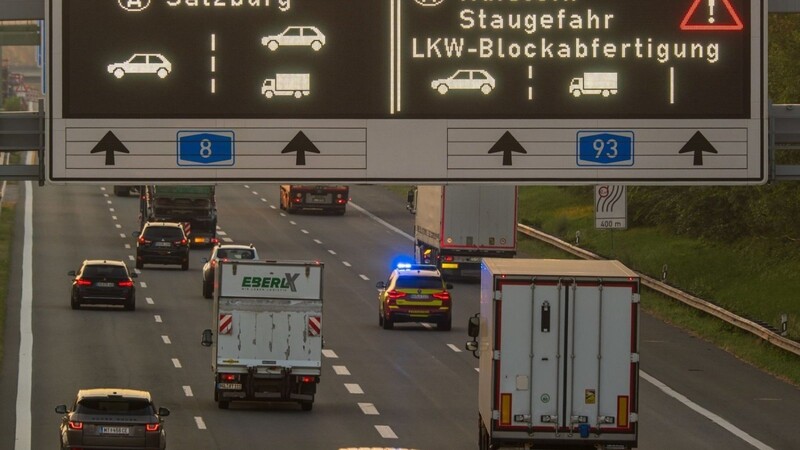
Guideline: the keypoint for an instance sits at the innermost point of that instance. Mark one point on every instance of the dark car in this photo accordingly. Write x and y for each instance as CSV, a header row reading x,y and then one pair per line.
x,y
103,282
112,418
162,243
415,293
231,252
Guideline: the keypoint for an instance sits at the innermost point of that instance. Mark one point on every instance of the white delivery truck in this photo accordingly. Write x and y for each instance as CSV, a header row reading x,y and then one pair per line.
x,y
559,354
268,321
457,225
294,84
594,83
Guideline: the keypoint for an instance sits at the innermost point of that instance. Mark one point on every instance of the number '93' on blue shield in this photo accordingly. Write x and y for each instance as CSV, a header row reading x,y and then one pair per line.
x,y
605,148
206,148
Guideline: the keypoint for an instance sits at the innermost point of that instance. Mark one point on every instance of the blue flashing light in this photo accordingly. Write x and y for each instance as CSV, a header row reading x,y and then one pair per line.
x,y
403,265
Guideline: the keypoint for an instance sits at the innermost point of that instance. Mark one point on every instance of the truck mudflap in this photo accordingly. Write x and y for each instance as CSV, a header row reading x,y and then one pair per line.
x,y
268,384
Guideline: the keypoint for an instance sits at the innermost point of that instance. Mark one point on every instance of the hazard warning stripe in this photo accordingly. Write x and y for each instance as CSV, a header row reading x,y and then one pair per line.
x,y
225,323
314,325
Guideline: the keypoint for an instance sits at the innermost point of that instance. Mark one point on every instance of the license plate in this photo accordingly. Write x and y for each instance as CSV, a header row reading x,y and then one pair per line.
x,y
163,244
234,386
115,430
318,199
419,297
104,284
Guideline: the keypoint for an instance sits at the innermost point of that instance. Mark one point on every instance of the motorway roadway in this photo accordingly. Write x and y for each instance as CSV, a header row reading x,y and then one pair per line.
x,y
412,387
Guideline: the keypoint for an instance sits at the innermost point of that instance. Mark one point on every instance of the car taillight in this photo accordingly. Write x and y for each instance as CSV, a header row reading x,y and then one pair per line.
x,y
83,282
152,426
307,379
75,425
447,258
181,242
297,200
125,283
393,295
444,295
143,241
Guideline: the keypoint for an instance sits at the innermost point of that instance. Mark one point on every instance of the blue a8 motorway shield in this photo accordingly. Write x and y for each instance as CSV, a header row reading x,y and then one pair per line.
x,y
206,148
605,148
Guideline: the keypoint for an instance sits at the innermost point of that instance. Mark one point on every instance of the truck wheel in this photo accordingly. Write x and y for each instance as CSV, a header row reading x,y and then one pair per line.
x,y
445,324
306,406
224,404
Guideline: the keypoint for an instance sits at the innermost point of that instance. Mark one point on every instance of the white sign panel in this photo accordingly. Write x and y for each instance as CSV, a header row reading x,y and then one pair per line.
x,y
610,207
527,92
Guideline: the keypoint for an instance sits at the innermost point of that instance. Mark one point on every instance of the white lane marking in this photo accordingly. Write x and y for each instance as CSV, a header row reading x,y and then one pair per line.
x,y
383,222
318,241
247,186
293,222
118,225
137,271
111,209
200,424
254,192
331,252
347,264
353,388
478,369
363,277
157,318
329,354
304,231
427,325
109,202
105,195
221,233
283,215
369,409
187,391
340,370
122,235
22,434
143,284
385,431
272,207
166,339
227,239
263,200
131,257
102,188
128,246
454,348
706,413
113,217
148,300
176,363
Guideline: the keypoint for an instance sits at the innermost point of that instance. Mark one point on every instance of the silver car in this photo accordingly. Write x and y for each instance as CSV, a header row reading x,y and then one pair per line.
x,y
112,418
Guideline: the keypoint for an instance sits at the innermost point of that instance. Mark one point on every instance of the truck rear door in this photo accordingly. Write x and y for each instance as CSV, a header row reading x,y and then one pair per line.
x,y
568,356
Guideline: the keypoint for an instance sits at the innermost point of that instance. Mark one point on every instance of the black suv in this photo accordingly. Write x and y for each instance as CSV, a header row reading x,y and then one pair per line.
x,y
103,281
162,243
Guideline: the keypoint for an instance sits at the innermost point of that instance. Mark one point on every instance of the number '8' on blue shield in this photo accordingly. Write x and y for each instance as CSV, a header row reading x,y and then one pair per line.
x,y
605,148
206,148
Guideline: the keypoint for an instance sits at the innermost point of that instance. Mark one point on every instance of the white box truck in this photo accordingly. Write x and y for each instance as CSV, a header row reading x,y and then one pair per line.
x,y
294,84
594,83
559,354
268,321
457,225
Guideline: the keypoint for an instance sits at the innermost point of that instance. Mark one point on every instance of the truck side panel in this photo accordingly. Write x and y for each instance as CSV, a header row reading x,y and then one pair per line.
x,y
428,220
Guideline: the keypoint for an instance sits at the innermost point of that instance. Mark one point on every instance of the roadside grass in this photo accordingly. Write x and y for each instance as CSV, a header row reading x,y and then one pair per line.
x,y
757,279
6,236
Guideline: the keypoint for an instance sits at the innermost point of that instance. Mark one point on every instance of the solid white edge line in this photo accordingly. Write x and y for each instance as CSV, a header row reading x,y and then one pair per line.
x,y
383,222
705,413
22,434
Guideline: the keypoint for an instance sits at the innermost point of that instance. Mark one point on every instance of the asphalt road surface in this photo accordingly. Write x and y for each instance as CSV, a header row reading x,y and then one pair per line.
x,y
413,387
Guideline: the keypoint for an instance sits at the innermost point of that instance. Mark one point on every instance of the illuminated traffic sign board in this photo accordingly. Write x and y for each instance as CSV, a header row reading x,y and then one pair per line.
x,y
410,90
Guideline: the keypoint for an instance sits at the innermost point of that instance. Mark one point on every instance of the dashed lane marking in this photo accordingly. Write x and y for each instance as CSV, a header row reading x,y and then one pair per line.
x,y
166,339
122,235
385,431
347,264
114,218
227,239
176,362
221,233
353,388
118,225
369,409
329,354
363,277
149,300
187,391
143,284
254,192
454,348
293,222
157,318
304,231
317,241
127,246
131,257
200,424
340,370
331,252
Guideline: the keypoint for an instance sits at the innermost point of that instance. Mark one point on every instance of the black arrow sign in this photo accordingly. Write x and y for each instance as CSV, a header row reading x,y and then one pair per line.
x,y
697,145
300,144
110,144
507,144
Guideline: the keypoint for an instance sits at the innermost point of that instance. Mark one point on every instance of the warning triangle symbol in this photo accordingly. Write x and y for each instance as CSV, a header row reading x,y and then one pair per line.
x,y
714,15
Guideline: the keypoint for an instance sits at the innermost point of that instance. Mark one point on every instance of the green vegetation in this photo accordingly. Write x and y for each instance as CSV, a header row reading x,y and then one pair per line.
x,y
6,235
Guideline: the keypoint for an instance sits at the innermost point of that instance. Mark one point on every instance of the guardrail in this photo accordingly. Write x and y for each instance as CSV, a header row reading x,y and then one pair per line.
x,y
665,289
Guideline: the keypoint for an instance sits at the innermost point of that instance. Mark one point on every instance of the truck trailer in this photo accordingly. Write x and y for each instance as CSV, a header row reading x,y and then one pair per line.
x,y
457,225
194,206
559,354
268,321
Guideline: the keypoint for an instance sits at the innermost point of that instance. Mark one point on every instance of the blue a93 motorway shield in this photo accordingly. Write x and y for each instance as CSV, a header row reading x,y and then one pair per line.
x,y
206,148
605,148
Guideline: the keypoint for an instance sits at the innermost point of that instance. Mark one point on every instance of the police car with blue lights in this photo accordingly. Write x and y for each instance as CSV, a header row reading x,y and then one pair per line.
x,y
415,293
